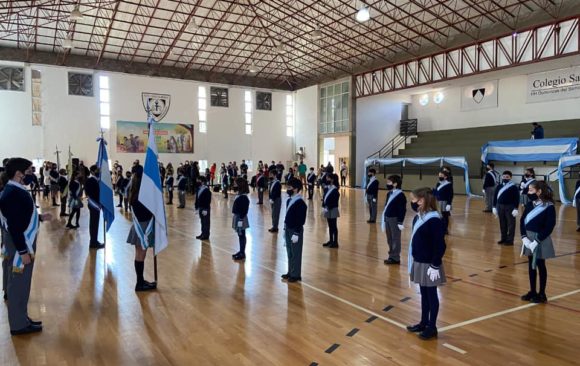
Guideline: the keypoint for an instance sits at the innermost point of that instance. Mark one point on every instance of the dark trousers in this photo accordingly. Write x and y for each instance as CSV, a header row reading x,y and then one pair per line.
x,y
429,306
489,193
445,218
507,222
205,222
18,290
170,196
372,201
342,181
393,237
120,200
242,239
63,198
578,212
543,271
294,252
333,230
94,216
276,207
260,195
310,191
75,212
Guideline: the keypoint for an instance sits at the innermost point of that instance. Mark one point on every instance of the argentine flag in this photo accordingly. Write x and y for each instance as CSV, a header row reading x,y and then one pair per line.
x,y
105,185
150,193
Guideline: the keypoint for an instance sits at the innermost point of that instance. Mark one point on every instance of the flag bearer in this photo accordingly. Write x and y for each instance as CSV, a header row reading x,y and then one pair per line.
x,y
92,191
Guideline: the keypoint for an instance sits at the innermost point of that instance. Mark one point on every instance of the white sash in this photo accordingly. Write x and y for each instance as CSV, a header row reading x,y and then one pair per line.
x,y
443,184
293,200
144,235
576,193
420,221
373,178
504,188
29,234
93,204
179,180
535,212
394,194
332,188
493,175
201,189
272,185
309,176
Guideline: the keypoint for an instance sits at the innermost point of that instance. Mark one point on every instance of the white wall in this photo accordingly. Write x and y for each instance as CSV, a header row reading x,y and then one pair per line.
x,y
73,120
306,128
512,107
377,121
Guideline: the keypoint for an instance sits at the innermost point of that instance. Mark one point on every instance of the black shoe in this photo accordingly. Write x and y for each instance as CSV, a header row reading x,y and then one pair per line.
x,y
199,237
169,203
69,226
63,215
260,203
272,230
540,299
119,206
294,279
391,261
76,226
416,328
180,206
508,243
428,333
27,330
35,323
530,296
204,238
501,242
371,221
333,245
97,245
577,230
5,296
487,211
145,286
285,276
327,244
239,256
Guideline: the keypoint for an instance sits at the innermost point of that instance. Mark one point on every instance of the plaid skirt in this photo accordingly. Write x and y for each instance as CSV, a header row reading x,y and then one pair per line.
x,y
419,275
245,225
545,249
134,239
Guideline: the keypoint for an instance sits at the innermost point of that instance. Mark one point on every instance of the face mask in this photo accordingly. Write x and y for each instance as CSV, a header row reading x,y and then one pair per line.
x,y
532,196
28,179
528,175
369,175
290,192
488,169
390,187
441,179
506,181
415,206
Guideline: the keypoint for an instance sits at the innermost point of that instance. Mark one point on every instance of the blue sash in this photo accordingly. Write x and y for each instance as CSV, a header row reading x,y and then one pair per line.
x,y
535,212
493,175
144,236
443,184
420,221
94,204
368,185
292,201
29,237
272,185
504,188
576,193
394,194
328,193
201,189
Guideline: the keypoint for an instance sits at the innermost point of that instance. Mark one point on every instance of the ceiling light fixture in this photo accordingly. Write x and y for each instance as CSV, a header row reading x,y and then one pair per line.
x,y
317,34
191,26
67,42
76,14
253,68
363,14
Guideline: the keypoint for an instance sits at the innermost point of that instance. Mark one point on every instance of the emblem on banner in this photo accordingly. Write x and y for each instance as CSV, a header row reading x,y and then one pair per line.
x,y
478,95
158,104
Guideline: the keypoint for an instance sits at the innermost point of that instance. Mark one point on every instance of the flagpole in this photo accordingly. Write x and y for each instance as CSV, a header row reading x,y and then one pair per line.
x,y
148,110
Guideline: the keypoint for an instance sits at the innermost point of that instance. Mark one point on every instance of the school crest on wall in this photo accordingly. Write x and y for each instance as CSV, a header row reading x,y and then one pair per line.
x,y
158,104
478,95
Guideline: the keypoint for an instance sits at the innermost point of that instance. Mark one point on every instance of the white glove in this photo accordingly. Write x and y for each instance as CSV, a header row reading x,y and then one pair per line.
x,y
433,274
448,208
526,242
204,212
400,226
325,210
483,191
515,213
240,224
533,245
261,190
374,200
494,210
574,203
294,239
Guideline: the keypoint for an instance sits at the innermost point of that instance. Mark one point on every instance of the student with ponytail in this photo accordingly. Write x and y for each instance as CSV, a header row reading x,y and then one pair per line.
x,y
536,226
426,250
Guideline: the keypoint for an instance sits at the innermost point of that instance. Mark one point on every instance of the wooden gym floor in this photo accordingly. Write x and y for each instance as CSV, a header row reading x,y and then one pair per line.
x,y
351,309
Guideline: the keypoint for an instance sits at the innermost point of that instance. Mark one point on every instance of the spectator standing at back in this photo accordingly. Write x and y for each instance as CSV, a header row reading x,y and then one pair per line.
x,y
343,173
302,168
537,132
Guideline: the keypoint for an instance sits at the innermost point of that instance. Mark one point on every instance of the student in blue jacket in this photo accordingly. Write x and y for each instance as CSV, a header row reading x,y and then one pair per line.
x,y
393,217
444,194
426,250
294,221
240,222
536,226
330,209
506,201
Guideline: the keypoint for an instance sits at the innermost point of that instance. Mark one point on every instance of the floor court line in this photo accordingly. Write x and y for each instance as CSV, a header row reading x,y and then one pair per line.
x,y
337,298
453,348
503,312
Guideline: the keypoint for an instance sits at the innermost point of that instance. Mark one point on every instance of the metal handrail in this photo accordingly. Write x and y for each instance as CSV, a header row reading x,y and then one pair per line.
x,y
407,129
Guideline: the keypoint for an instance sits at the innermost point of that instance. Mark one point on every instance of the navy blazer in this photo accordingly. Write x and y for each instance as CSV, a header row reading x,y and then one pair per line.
x,y
17,208
203,199
275,190
511,196
331,201
397,208
373,188
429,242
295,215
445,194
241,206
543,224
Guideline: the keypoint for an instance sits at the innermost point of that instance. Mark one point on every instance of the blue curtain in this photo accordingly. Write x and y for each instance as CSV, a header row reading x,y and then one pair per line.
x,y
565,162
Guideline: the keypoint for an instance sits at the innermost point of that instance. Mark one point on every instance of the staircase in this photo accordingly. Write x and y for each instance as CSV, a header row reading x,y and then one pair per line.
x,y
407,130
